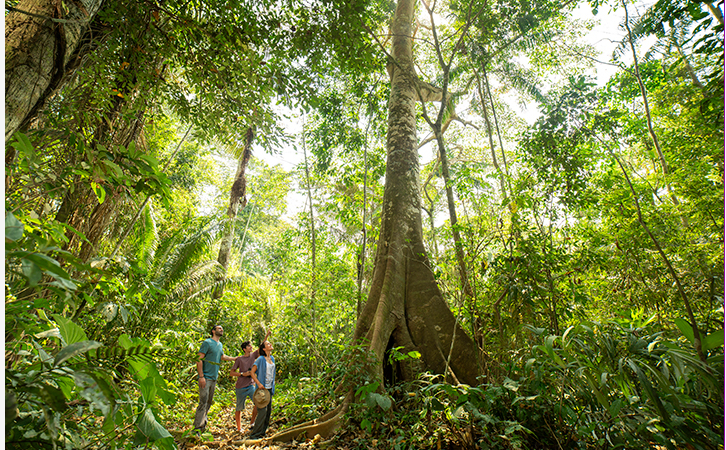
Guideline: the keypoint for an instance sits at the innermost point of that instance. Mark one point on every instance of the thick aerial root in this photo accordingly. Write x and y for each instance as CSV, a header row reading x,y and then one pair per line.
x,y
325,426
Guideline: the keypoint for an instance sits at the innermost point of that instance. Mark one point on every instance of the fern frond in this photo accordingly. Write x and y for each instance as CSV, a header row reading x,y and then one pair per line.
x,y
149,239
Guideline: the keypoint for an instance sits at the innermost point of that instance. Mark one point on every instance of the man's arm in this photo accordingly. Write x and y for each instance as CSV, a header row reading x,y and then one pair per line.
x,y
200,370
229,358
235,366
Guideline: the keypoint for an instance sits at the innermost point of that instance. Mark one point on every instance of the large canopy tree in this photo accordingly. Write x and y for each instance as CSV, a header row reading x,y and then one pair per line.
x,y
405,307
42,42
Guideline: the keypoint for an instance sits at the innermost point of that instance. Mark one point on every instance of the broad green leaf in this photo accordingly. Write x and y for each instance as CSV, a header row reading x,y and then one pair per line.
x,y
166,443
615,408
24,145
53,397
91,390
151,428
117,170
685,328
148,389
65,384
70,332
75,349
125,341
31,271
13,227
436,404
713,340
383,401
48,264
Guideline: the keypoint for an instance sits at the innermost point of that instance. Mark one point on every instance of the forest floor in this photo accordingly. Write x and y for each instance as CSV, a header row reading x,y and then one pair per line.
x,y
226,436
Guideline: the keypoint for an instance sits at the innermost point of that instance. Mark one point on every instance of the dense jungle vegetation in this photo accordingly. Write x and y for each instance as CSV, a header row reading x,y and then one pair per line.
x,y
435,270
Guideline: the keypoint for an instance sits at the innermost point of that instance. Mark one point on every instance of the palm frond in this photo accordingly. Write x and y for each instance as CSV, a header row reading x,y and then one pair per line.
x,y
116,352
197,278
177,255
521,79
535,39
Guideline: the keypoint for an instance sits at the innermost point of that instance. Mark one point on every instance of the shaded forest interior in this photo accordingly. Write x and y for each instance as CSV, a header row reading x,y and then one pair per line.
x,y
476,240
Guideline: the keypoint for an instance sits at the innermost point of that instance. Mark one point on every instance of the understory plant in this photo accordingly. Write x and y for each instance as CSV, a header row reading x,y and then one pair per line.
x,y
62,389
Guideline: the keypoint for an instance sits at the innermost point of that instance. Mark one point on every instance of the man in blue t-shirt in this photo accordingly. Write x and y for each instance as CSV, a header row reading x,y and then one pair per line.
x,y
211,354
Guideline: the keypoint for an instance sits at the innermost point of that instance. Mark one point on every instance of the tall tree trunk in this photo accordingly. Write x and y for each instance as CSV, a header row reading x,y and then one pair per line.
x,y
40,38
237,199
453,219
313,268
405,307
483,102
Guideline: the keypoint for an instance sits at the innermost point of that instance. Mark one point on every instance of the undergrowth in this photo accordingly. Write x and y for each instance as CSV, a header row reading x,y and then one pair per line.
x,y
596,386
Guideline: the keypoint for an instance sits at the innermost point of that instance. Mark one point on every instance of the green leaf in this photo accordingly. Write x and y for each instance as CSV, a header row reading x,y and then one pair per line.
x,y
381,400
65,384
685,328
148,389
713,340
436,404
13,227
125,341
48,264
652,393
151,428
31,271
24,145
70,332
117,170
99,191
166,443
54,398
75,349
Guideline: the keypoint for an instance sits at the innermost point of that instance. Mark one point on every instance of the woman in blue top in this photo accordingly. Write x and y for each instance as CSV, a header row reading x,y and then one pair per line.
x,y
263,372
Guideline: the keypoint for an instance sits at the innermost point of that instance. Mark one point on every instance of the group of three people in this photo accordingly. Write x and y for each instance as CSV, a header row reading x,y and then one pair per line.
x,y
254,370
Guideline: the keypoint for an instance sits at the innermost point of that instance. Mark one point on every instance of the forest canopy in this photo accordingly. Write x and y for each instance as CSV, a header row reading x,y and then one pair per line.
x,y
477,239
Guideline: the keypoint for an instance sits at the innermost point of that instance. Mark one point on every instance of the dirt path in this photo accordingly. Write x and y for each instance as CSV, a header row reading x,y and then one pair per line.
x,y
226,436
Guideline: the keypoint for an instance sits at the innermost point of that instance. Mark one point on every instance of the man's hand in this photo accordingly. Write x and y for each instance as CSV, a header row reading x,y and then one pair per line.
x,y
202,382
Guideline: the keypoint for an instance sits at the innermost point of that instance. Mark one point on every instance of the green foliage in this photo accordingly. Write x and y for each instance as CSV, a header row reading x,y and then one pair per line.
x,y
62,389
624,383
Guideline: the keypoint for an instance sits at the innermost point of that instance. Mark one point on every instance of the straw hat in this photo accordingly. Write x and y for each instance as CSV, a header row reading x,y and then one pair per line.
x,y
261,398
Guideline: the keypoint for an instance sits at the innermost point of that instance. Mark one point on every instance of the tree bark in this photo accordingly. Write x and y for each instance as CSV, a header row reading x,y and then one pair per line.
x,y
40,38
405,307
313,266
237,198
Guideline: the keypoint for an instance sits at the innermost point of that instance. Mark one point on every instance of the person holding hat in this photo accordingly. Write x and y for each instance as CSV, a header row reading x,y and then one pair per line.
x,y
244,388
210,354
263,373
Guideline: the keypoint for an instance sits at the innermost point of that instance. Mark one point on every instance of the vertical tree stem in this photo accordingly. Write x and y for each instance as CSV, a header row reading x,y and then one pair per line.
x,y
312,245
